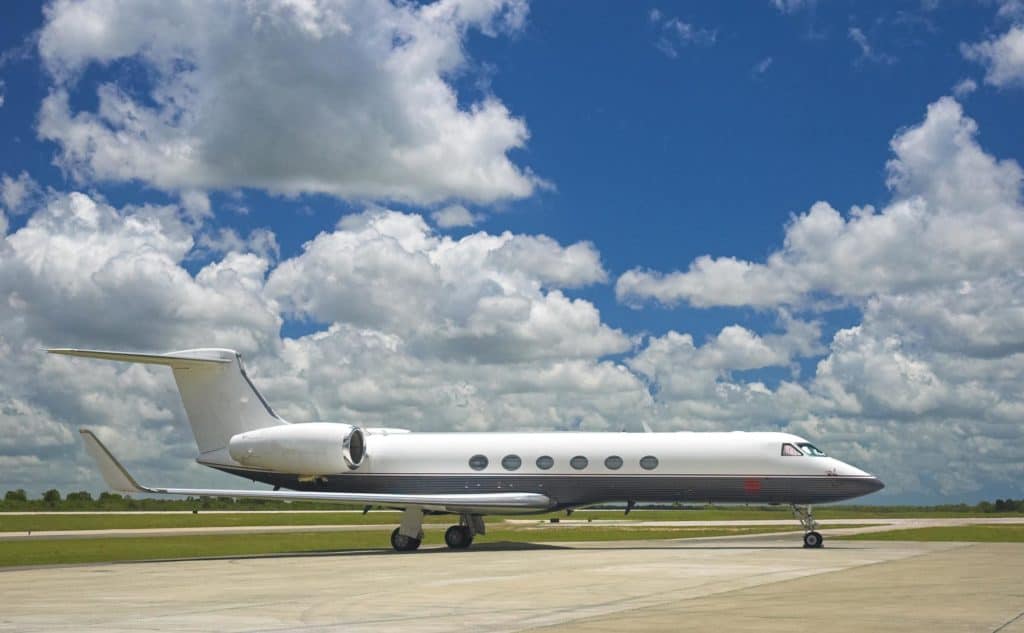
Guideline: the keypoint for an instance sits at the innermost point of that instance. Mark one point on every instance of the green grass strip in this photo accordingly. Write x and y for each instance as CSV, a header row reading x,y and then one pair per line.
x,y
965,533
70,551
100,521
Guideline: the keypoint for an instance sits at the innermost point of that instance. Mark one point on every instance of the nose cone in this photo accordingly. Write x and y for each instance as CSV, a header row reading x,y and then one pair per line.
x,y
874,485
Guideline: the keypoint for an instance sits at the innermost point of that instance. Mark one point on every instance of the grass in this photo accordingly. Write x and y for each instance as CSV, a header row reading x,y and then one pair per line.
x,y
101,521
965,533
70,551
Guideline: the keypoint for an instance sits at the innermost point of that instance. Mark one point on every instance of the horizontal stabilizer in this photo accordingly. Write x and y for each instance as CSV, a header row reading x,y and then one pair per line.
x,y
174,359
118,479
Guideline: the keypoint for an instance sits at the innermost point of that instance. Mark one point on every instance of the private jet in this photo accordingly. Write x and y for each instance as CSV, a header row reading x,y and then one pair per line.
x,y
471,475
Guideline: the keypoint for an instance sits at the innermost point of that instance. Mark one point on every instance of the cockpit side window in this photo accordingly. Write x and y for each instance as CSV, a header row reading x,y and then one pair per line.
x,y
811,449
788,450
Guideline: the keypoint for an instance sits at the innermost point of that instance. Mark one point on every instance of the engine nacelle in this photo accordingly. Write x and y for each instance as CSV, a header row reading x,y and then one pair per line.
x,y
313,448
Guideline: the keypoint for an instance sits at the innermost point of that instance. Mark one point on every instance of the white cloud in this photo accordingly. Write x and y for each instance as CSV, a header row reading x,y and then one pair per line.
x,y
674,34
261,242
453,216
961,205
867,51
484,296
1011,9
964,87
350,99
19,195
1003,57
792,6
78,256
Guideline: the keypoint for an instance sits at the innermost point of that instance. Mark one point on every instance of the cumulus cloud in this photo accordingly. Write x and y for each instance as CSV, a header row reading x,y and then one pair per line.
x,y
1002,57
490,297
964,87
961,205
19,194
351,99
453,216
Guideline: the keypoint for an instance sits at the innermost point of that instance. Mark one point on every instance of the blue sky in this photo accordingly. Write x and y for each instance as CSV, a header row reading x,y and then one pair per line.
x,y
654,133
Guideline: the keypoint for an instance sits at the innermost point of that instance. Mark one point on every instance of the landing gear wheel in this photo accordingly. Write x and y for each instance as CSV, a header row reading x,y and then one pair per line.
x,y
403,543
458,537
813,540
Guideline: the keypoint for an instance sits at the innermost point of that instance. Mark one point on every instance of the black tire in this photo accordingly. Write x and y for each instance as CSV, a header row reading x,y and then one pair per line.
x,y
404,543
813,540
458,537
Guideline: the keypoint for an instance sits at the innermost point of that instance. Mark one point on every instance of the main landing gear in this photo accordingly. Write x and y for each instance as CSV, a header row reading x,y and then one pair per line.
x,y
403,543
812,538
408,536
461,536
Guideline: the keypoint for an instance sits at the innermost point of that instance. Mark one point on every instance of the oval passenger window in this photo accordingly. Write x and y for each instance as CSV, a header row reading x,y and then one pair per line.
x,y
613,463
649,463
478,462
544,462
511,462
579,462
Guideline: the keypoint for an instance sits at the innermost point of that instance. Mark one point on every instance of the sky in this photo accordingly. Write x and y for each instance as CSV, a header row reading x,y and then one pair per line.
x,y
471,215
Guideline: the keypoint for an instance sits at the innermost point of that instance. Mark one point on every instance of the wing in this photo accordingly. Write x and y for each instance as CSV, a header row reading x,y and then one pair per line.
x,y
119,479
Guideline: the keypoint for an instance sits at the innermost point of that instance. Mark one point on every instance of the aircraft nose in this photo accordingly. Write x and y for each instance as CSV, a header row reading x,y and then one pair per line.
x,y
875,484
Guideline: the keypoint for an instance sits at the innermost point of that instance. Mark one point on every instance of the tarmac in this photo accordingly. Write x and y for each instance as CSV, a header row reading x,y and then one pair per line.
x,y
746,583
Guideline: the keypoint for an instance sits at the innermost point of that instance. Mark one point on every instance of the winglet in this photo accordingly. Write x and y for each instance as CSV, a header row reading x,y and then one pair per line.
x,y
113,472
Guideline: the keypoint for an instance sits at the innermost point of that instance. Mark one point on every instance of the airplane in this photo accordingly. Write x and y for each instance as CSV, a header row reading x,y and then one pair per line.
x,y
473,474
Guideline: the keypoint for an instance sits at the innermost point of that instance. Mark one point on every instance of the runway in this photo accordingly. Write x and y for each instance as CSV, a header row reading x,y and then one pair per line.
x,y
750,583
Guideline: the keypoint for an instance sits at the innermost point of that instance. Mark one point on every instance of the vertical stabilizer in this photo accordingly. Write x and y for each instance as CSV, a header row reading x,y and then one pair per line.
x,y
219,398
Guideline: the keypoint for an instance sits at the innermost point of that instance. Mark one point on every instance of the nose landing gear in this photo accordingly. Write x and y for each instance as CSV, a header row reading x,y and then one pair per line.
x,y
812,538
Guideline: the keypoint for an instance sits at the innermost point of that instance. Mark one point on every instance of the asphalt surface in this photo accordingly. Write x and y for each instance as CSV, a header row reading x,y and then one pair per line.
x,y
748,583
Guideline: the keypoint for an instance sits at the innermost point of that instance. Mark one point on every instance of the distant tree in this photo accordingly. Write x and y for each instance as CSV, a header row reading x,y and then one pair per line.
x,y
80,496
15,495
110,497
51,496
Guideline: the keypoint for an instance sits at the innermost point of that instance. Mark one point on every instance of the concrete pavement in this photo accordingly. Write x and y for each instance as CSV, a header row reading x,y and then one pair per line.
x,y
763,583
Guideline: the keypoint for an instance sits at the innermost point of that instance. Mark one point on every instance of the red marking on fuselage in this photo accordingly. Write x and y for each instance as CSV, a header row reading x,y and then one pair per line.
x,y
752,486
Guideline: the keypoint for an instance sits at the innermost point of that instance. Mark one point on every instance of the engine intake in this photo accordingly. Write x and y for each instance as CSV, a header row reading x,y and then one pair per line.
x,y
310,449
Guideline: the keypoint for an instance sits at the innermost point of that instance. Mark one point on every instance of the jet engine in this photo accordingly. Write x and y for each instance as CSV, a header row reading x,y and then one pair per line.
x,y
313,448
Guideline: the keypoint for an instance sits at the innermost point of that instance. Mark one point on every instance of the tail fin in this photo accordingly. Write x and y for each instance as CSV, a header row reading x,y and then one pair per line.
x,y
219,398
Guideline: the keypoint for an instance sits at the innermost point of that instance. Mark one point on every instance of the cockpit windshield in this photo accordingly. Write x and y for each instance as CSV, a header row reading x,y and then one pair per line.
x,y
811,449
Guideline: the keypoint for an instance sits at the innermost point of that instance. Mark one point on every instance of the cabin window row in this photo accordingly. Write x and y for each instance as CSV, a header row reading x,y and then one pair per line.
x,y
545,462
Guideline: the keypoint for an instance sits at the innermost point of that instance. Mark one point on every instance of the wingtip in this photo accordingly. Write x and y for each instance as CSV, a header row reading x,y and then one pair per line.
x,y
114,474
